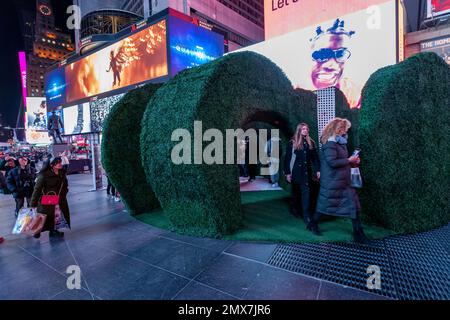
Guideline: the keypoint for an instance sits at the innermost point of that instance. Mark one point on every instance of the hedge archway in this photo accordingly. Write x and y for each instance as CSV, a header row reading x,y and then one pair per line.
x,y
204,199
121,152
405,139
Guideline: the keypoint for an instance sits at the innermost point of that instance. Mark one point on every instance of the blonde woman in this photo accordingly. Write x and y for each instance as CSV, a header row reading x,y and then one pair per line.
x,y
336,196
301,167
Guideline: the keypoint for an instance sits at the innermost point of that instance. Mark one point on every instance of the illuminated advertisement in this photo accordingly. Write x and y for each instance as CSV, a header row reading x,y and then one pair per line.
x,y
331,43
135,59
55,88
440,46
77,119
438,7
100,109
59,113
23,75
37,137
191,46
36,116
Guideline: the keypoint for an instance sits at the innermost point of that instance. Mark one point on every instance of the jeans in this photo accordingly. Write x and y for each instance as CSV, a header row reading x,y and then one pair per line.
x,y
110,189
301,199
20,202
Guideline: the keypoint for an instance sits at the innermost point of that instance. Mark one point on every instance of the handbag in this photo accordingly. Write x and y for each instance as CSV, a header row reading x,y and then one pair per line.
x,y
356,180
49,199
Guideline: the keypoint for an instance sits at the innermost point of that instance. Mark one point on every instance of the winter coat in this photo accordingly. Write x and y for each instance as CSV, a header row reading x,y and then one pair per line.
x,y
48,181
306,165
21,182
336,197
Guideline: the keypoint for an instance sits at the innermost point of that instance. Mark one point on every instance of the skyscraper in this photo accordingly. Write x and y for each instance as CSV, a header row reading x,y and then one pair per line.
x,y
45,45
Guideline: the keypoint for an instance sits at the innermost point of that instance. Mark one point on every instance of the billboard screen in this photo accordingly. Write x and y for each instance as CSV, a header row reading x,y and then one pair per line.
x,y
191,46
23,75
100,109
55,88
440,46
332,43
59,113
77,119
36,117
135,59
37,137
438,7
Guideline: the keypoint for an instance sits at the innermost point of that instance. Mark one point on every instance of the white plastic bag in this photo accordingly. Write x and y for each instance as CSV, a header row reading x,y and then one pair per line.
x,y
29,221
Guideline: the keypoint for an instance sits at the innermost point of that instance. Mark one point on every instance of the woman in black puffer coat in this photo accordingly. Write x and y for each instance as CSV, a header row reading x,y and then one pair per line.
x,y
336,196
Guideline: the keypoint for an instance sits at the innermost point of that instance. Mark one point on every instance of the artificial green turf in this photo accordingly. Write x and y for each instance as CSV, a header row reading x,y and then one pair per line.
x,y
267,218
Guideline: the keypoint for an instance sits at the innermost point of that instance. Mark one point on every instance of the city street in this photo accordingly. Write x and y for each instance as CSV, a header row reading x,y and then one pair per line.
x,y
122,258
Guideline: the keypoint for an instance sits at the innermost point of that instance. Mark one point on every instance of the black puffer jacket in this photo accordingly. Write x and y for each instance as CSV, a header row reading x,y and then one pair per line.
x,y
336,197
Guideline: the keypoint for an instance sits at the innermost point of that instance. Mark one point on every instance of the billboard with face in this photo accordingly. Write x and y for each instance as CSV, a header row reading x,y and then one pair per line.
x,y
36,114
191,46
335,43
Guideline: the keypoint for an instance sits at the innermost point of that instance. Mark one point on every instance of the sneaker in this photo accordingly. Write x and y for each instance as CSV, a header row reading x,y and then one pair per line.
x,y
275,185
116,199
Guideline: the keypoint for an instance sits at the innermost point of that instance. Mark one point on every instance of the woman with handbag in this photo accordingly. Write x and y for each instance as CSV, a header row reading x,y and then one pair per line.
x,y
336,196
302,168
50,194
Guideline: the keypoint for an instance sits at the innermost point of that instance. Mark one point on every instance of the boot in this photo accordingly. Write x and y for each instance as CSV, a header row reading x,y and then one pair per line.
x,y
313,225
359,236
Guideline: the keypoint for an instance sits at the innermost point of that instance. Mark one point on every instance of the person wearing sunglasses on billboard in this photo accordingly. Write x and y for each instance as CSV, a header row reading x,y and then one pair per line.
x,y
330,53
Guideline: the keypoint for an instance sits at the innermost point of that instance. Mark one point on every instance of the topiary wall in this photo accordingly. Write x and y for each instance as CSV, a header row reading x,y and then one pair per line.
x,y
405,138
225,94
121,155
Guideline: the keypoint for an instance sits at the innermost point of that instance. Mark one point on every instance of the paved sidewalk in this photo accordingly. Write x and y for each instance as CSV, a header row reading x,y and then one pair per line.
x,y
122,258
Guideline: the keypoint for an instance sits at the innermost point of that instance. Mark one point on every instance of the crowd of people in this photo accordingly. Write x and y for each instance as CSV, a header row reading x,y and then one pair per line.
x,y
320,179
27,185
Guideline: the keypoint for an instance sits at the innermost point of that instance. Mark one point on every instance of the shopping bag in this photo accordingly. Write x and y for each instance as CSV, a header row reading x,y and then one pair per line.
x,y
60,221
29,221
356,180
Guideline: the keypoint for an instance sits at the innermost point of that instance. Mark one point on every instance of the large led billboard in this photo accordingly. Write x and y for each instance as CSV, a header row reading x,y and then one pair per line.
x,y
437,7
77,119
135,59
55,88
191,46
37,137
36,115
331,43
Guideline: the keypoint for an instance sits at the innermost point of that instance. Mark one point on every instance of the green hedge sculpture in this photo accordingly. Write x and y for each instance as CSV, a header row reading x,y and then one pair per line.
x,y
405,139
227,93
121,153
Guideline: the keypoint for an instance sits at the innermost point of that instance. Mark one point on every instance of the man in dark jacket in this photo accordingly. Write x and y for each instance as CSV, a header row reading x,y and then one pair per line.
x,y
6,165
20,182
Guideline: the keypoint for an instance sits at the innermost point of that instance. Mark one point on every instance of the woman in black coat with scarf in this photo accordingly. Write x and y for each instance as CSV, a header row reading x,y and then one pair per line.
x,y
51,179
301,168
336,196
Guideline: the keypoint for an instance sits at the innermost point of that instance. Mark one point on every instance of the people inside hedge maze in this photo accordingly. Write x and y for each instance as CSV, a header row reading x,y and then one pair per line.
x,y
302,170
274,160
336,196
252,168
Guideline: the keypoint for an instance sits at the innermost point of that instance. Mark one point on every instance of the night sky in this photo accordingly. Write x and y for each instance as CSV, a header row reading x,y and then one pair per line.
x,y
11,43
